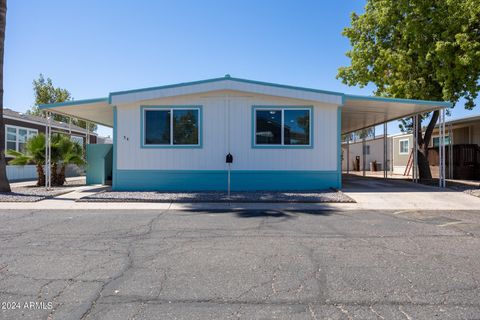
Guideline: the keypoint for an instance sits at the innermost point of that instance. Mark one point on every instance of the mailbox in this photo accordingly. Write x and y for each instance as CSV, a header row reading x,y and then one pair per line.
x,y
229,158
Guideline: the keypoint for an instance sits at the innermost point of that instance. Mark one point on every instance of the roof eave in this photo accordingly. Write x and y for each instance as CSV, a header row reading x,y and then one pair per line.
x,y
72,103
445,104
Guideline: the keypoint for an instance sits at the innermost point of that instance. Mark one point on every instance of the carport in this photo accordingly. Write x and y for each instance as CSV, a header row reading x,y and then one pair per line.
x,y
362,112
97,111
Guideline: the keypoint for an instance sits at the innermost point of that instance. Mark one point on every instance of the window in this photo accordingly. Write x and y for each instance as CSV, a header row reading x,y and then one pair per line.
x,y
404,146
11,138
436,141
282,126
16,137
171,126
77,139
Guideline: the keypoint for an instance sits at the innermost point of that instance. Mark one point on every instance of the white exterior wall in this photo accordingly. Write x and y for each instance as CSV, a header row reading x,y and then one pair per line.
x,y
376,153
322,157
29,172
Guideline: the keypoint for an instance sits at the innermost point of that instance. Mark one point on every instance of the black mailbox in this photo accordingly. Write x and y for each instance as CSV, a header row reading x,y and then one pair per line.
x,y
229,158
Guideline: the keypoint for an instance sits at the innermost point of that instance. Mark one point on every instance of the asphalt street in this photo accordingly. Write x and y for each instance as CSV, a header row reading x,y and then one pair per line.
x,y
119,264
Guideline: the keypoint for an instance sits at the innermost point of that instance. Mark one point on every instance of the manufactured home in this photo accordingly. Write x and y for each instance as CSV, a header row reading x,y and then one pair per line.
x,y
279,137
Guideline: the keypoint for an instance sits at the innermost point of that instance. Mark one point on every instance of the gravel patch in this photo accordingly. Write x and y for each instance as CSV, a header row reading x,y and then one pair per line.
x,y
321,196
32,194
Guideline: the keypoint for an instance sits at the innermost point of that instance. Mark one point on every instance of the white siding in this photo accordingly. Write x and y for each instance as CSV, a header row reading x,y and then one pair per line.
x,y
376,153
323,155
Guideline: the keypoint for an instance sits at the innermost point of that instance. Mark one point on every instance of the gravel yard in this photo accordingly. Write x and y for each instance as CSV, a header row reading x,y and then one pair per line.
x,y
31,193
321,196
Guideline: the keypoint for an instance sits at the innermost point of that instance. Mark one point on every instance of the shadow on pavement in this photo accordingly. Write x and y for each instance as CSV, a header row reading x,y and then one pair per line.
x,y
266,213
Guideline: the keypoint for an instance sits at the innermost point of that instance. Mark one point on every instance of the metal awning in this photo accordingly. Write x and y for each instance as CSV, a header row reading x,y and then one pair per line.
x,y
360,112
97,111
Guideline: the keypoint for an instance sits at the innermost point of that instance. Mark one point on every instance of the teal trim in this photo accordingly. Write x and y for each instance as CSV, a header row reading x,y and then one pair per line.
x,y
115,148
210,180
71,103
227,77
99,163
283,146
411,101
171,146
339,145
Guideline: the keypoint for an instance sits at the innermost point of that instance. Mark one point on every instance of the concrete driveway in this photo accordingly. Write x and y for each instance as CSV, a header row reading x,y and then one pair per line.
x,y
247,264
395,194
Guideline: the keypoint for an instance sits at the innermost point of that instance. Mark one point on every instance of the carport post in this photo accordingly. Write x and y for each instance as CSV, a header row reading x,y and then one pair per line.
x,y
414,149
441,149
385,150
363,154
48,150
348,154
450,151
87,135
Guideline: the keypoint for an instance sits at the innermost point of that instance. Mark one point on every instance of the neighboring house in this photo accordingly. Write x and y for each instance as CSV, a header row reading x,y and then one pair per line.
x,y
19,127
177,137
373,152
104,140
462,133
402,149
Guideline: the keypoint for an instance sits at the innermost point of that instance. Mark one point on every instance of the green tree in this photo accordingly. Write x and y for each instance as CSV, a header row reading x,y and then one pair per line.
x,y
4,184
45,93
417,49
64,152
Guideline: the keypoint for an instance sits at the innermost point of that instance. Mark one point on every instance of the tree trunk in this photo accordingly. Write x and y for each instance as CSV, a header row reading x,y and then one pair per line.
x,y
41,176
61,175
54,174
422,146
4,185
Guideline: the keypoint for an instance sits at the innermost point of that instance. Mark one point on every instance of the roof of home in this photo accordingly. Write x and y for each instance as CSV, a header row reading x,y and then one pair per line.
x,y
30,118
469,118
358,112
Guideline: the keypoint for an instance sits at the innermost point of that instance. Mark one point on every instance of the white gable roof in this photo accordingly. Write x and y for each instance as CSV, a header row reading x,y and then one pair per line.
x,y
225,83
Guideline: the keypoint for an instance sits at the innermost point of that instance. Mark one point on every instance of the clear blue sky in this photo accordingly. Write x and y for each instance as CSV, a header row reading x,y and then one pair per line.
x,y
94,47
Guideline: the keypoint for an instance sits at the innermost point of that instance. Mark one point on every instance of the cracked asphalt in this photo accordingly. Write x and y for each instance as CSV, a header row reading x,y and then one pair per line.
x,y
117,264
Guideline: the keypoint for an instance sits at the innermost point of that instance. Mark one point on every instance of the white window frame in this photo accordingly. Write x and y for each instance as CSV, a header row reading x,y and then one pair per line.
x,y
17,135
171,144
400,146
282,133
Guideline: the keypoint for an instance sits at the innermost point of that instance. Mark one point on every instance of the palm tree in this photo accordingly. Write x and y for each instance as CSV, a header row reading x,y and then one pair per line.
x,y
68,152
4,185
63,152
34,153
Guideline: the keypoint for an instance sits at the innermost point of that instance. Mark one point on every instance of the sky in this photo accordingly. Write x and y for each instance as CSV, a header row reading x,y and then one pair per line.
x,y
93,47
